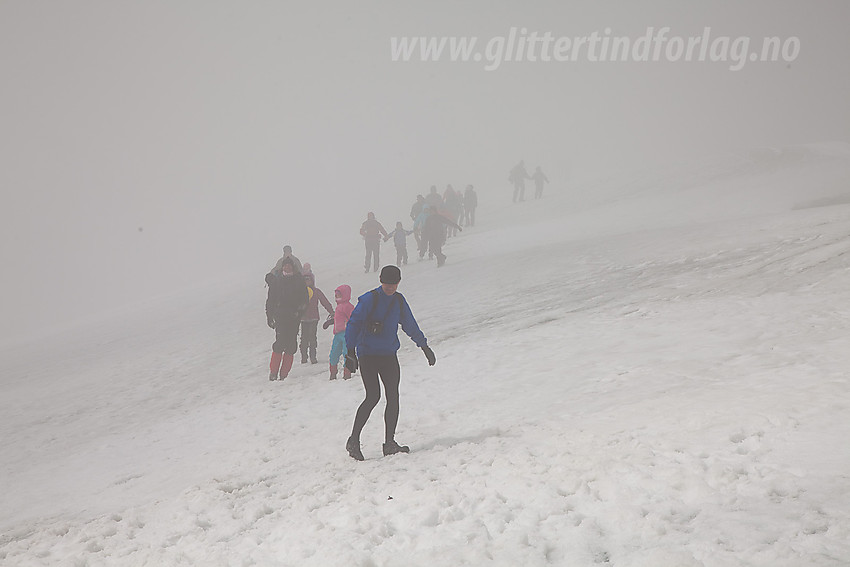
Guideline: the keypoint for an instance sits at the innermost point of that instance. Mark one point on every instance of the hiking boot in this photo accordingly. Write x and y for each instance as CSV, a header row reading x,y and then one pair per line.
x,y
303,358
353,448
346,374
273,376
391,448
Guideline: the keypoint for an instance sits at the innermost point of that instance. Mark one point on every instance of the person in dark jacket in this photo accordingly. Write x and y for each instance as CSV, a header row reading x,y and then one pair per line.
x,y
539,179
371,231
517,177
310,319
416,209
287,253
372,341
434,234
286,302
433,198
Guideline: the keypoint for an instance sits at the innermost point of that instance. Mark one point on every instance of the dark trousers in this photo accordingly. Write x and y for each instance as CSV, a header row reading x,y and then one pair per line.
x,y
434,246
519,190
309,342
373,250
538,190
400,255
373,367
470,217
286,335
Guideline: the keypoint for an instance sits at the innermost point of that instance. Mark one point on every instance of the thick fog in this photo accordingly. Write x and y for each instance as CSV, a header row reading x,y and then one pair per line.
x,y
147,147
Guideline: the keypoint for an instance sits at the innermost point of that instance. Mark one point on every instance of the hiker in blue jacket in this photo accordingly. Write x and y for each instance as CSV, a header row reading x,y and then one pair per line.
x,y
372,340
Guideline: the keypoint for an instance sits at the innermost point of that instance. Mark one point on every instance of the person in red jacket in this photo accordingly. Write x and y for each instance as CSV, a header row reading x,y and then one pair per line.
x,y
310,319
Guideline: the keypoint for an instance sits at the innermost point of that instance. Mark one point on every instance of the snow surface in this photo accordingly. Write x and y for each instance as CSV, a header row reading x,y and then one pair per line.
x,y
641,372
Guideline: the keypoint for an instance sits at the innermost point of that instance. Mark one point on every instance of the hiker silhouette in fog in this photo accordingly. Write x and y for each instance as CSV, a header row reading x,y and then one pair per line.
x,y
434,234
415,211
372,341
470,201
287,253
286,302
371,231
399,236
433,198
539,179
418,224
452,206
517,177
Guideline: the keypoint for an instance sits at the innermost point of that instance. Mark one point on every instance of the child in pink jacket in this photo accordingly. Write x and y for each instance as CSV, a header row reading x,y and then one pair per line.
x,y
342,313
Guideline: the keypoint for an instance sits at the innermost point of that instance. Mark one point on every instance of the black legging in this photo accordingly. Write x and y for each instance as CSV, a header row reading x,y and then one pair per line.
x,y
371,367
309,341
286,335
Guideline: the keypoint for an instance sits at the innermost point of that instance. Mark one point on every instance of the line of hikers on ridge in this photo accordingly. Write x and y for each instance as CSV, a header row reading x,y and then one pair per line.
x,y
435,218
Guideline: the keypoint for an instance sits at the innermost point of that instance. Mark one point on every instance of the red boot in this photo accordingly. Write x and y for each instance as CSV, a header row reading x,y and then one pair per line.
x,y
333,372
274,365
286,365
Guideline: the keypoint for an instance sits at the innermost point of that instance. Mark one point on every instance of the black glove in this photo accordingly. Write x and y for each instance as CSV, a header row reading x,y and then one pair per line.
x,y
270,321
328,322
429,354
351,360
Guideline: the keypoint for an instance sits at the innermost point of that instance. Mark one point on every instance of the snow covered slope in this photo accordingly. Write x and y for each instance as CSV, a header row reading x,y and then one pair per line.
x,y
642,372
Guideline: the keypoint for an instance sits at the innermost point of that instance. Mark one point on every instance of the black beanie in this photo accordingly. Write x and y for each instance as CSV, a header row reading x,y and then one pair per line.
x,y
390,275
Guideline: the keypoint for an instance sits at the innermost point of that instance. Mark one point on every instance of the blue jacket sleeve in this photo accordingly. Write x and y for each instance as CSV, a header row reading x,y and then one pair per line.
x,y
354,328
410,327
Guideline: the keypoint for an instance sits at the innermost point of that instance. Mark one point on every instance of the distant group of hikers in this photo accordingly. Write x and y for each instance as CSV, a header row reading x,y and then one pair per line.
x,y
517,177
365,334
435,218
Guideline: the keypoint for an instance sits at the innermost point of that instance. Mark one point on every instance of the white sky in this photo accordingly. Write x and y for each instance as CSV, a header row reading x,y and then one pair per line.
x,y
225,130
